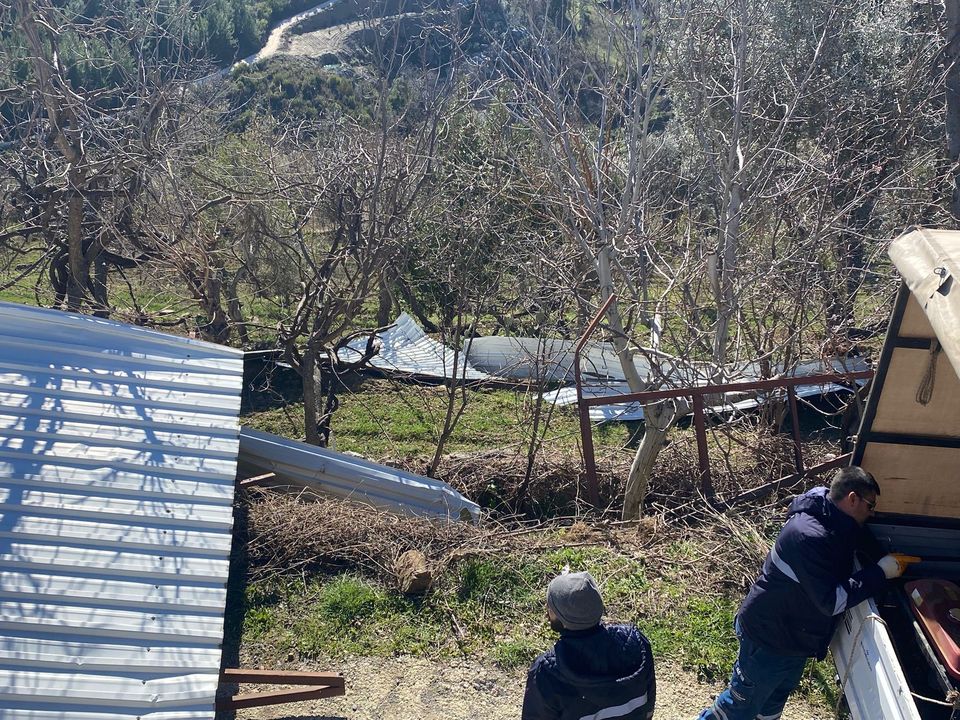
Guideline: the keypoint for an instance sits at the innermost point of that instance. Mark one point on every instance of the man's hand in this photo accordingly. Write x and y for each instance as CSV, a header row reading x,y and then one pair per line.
x,y
894,564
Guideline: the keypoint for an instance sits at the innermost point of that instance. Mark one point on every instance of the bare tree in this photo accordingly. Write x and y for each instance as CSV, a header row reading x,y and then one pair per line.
x,y
593,114
102,102
679,152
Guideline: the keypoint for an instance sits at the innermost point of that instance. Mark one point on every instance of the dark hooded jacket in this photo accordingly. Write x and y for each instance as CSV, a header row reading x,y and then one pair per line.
x,y
607,669
806,582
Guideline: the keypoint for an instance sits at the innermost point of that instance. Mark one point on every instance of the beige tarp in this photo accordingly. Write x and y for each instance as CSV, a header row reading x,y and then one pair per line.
x,y
929,261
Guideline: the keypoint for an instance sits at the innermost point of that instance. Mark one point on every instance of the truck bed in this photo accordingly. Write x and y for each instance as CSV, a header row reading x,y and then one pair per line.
x,y
877,649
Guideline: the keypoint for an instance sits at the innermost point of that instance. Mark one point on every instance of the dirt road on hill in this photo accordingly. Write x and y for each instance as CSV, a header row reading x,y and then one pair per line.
x,y
416,689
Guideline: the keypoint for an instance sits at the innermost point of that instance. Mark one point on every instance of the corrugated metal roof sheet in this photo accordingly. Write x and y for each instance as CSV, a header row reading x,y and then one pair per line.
x,y
344,476
118,449
547,359
405,349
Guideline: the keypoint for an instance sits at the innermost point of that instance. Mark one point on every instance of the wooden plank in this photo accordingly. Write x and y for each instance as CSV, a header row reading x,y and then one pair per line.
x,y
287,677
915,323
915,480
898,410
277,697
257,479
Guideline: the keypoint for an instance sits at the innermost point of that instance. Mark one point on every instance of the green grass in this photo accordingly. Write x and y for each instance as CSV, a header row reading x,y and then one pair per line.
x,y
392,419
491,608
18,294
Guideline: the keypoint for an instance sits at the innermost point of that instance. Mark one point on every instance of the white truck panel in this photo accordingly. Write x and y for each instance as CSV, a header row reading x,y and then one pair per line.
x,y
874,683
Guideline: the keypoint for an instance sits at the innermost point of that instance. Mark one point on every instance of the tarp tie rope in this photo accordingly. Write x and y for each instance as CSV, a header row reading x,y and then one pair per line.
x,y
925,391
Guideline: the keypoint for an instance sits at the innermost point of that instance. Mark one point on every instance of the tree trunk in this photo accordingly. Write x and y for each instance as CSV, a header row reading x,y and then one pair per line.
x,y
729,246
100,282
384,302
235,313
78,263
217,327
416,307
636,383
454,387
658,418
311,414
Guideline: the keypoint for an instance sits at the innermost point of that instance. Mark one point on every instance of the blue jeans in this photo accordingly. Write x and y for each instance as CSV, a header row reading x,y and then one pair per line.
x,y
759,686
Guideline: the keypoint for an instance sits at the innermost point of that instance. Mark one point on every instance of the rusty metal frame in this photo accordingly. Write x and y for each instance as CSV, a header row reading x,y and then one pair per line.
x,y
589,459
696,395
312,685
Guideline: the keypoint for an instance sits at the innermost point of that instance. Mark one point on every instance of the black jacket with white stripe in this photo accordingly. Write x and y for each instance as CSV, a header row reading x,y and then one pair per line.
x,y
806,582
596,674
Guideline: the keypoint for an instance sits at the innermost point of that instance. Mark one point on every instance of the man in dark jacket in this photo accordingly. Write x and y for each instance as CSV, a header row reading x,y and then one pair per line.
x,y
806,584
595,671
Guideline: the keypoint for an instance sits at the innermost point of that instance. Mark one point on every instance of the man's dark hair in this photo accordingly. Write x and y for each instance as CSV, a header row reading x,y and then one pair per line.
x,y
852,479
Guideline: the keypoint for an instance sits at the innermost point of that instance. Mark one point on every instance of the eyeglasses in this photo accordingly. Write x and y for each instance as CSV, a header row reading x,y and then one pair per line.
x,y
871,504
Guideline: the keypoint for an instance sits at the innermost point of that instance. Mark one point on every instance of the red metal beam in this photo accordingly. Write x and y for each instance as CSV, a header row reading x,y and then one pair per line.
x,y
288,677
795,429
277,697
583,409
700,426
649,396
323,685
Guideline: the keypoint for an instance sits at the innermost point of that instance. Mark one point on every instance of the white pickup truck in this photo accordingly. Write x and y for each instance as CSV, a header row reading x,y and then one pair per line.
x,y
891,664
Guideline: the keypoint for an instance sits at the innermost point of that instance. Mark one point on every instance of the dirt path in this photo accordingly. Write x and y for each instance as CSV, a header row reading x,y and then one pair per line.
x,y
331,40
415,689
276,38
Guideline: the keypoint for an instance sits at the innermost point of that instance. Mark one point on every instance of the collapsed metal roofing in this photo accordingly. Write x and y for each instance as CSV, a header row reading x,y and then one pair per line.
x,y
118,450
405,349
349,477
547,359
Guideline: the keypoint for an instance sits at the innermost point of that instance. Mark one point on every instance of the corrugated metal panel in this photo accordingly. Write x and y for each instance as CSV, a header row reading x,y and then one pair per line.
x,y
405,349
118,449
548,359
352,478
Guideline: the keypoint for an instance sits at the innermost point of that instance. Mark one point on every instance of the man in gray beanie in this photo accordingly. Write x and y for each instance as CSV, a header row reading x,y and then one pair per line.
x,y
595,670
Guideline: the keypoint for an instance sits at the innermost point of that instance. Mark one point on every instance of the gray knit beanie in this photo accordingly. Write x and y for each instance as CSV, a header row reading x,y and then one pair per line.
x,y
575,599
